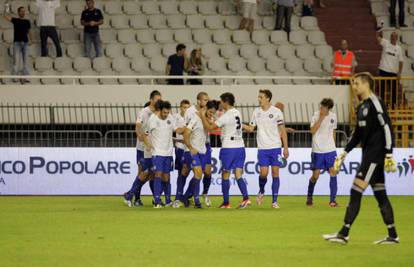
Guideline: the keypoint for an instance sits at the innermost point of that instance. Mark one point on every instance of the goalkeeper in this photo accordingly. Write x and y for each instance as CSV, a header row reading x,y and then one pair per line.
x,y
374,132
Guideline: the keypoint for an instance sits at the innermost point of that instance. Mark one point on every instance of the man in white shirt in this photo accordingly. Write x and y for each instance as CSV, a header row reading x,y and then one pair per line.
x,y
232,154
46,21
323,126
391,65
144,159
271,134
160,128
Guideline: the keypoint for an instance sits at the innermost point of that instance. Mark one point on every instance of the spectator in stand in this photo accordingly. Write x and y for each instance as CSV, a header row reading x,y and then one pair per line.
x,y
307,9
21,41
401,14
195,66
46,21
249,14
284,11
391,65
91,19
177,64
344,64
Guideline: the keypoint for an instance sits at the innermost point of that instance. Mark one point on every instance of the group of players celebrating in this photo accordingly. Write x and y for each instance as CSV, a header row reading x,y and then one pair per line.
x,y
156,126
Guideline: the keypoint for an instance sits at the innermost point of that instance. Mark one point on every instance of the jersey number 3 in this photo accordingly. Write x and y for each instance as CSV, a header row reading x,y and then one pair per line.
x,y
238,123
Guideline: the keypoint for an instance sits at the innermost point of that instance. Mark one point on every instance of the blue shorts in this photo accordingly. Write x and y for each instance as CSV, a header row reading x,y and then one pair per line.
x,y
208,154
270,157
187,159
146,164
179,158
140,155
198,160
232,158
162,164
323,161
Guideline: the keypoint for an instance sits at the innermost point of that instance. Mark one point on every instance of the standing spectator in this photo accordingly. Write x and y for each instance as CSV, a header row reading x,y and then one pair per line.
x,y
195,66
401,14
344,63
307,9
21,41
249,14
91,19
177,64
284,12
391,65
46,10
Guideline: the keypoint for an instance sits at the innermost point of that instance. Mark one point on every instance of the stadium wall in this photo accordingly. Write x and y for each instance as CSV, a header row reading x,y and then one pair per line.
x,y
111,171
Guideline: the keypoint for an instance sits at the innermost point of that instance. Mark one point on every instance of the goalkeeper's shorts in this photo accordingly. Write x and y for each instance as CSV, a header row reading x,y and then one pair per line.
x,y
371,172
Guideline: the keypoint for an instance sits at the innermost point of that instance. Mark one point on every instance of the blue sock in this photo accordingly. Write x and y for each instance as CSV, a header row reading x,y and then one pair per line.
x,y
151,185
311,187
333,185
225,188
206,184
157,190
166,187
137,193
243,188
189,193
262,184
196,190
180,187
137,183
275,188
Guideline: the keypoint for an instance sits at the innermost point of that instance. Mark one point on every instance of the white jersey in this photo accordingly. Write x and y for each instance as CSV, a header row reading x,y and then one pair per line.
x,y
179,122
142,118
391,57
198,135
323,140
231,124
161,133
267,122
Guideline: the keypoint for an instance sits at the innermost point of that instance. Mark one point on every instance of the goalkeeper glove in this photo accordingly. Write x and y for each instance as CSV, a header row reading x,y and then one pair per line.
x,y
339,160
389,163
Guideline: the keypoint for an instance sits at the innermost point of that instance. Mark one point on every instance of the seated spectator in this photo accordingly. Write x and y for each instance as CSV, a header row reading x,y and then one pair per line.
x,y
284,13
249,14
176,65
307,9
91,19
195,66
46,21
21,41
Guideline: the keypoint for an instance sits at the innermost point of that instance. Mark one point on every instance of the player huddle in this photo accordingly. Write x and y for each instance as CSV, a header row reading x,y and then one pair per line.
x,y
156,145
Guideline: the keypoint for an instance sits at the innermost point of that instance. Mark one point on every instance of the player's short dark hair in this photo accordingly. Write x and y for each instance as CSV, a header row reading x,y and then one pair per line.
x,y
327,102
228,98
154,93
267,93
20,8
366,77
165,105
147,104
180,47
201,94
184,102
212,104
158,105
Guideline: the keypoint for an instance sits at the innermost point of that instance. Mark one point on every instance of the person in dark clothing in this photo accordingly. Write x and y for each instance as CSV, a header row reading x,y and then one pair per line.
x,y
374,132
401,14
21,41
284,11
176,65
91,18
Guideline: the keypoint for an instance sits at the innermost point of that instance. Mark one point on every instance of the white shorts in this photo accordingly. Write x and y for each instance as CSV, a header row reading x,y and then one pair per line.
x,y
249,10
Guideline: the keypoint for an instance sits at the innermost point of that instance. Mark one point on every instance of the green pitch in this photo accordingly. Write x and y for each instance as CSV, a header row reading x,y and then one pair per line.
x,y
102,231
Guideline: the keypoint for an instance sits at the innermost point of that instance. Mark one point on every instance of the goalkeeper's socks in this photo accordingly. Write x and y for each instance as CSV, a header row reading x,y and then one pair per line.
x,y
225,188
345,230
243,188
333,185
262,184
311,187
157,190
275,189
392,232
206,184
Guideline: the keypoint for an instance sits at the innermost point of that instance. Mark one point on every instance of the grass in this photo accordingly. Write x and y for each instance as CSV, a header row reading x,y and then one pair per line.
x,y
101,231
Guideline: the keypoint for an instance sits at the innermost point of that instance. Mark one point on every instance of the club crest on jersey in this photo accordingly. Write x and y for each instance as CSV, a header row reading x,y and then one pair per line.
x,y
271,116
168,122
365,112
332,121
